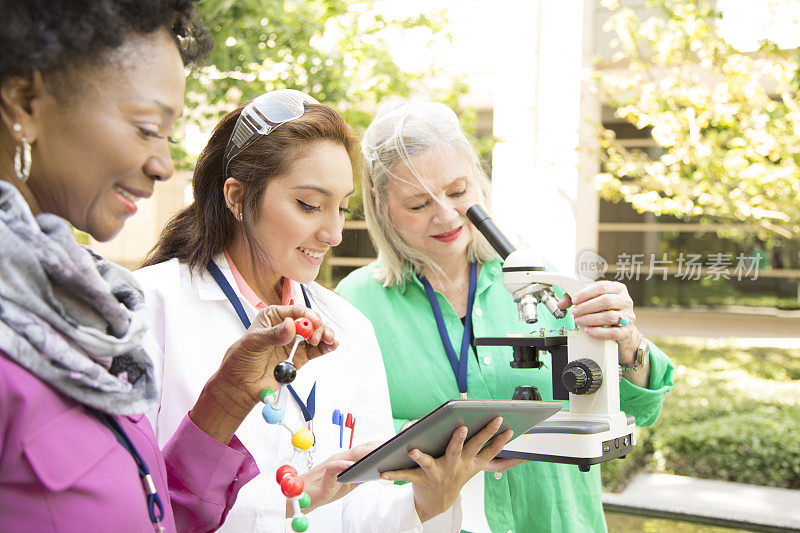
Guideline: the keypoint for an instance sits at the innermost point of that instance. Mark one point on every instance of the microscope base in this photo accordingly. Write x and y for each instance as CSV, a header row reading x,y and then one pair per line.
x,y
565,439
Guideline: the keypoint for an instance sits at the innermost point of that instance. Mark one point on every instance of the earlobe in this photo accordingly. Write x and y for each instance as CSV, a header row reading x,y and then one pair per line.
x,y
234,194
20,99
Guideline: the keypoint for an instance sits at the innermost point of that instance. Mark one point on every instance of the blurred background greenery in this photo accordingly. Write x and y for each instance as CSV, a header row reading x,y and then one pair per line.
x,y
731,416
725,157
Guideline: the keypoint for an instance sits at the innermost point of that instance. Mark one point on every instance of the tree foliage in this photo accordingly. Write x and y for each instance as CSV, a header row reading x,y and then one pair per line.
x,y
727,123
333,50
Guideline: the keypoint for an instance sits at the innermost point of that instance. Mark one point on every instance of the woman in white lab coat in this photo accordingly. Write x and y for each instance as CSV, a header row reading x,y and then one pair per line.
x,y
270,193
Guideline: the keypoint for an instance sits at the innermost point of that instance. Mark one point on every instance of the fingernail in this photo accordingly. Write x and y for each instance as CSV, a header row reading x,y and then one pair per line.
x,y
414,454
384,476
462,433
499,421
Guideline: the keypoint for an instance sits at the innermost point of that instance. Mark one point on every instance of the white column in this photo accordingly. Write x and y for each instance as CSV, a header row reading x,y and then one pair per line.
x,y
545,117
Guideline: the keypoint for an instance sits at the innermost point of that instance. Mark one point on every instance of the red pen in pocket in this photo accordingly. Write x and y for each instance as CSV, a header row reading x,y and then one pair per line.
x,y
350,422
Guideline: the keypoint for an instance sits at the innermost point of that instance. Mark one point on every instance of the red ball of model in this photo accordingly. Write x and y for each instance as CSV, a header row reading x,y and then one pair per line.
x,y
304,327
284,471
292,486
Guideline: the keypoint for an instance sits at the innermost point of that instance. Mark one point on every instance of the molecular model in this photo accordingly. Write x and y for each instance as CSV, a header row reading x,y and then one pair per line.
x,y
291,483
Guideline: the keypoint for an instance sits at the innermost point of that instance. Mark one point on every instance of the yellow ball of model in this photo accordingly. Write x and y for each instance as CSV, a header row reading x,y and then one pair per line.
x,y
303,439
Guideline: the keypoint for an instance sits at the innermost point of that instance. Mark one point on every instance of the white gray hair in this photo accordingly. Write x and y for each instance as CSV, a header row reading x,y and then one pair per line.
x,y
400,131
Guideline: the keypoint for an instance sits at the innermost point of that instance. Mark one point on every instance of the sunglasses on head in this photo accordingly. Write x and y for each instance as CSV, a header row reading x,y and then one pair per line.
x,y
261,116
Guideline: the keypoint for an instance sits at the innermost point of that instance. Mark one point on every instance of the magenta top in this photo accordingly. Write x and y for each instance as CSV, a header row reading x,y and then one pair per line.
x,y
62,470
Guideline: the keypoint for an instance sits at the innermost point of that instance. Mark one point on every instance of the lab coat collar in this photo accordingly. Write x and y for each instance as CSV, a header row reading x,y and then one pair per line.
x,y
207,288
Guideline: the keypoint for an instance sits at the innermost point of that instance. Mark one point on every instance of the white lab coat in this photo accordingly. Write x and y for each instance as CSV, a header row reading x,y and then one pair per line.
x,y
192,326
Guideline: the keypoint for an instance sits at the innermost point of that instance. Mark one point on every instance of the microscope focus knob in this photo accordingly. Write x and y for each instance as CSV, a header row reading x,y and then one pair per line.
x,y
582,376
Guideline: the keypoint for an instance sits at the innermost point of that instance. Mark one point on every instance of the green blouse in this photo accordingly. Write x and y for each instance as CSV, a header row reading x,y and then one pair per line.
x,y
530,497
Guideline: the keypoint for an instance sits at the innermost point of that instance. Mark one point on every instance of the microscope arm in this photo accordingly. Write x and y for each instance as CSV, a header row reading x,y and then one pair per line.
x,y
522,268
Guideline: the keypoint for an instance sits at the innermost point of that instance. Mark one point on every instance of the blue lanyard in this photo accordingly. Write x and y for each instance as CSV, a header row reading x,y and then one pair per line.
x,y
308,408
459,365
154,507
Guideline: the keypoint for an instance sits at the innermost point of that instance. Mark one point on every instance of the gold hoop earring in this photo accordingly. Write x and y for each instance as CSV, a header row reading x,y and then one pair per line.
x,y
22,160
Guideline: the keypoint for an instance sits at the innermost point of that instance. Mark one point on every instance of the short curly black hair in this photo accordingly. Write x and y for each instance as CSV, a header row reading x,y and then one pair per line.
x,y
50,35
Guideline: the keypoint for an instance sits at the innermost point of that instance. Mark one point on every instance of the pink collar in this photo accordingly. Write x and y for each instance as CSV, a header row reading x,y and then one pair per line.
x,y
248,293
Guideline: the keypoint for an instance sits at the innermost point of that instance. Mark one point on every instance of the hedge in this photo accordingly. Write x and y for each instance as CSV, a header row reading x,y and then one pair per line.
x,y
734,415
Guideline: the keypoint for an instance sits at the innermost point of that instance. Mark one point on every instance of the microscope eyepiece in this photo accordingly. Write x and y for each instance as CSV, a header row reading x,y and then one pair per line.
x,y
483,222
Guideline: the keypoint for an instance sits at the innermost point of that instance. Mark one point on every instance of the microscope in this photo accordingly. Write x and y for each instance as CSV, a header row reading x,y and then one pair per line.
x,y
585,370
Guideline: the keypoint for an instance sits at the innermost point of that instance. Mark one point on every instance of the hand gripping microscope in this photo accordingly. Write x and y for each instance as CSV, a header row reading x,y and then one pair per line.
x,y
585,370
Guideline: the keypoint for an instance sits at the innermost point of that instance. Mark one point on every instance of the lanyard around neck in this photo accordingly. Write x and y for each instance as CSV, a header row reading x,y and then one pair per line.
x,y
309,407
459,365
154,507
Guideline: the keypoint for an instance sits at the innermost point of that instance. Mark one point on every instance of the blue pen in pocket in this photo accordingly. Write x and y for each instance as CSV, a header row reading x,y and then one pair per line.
x,y
338,419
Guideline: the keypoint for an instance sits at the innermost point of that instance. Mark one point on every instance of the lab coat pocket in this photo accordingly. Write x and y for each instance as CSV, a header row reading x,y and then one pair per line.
x,y
66,448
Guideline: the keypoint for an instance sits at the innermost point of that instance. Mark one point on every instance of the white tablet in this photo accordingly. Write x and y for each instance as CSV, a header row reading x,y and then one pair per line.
x,y
432,433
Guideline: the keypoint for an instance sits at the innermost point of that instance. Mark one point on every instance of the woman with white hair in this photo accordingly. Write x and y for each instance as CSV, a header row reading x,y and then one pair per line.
x,y
437,281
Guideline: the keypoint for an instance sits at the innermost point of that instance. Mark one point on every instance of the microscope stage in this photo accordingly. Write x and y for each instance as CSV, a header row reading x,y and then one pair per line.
x,y
542,343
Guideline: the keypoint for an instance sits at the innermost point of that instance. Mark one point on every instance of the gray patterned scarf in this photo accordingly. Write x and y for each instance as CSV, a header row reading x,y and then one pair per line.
x,y
69,316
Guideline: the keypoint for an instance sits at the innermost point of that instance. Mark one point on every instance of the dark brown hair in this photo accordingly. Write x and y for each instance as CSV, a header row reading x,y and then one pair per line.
x,y
206,227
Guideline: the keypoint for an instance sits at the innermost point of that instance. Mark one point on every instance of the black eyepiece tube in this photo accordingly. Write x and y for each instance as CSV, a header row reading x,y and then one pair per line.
x,y
484,223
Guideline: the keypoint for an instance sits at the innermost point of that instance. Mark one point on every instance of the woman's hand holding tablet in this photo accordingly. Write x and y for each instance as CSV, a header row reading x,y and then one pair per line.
x,y
441,451
438,482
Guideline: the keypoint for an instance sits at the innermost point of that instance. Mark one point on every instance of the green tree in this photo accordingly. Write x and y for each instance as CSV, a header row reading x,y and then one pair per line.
x,y
334,50
727,123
